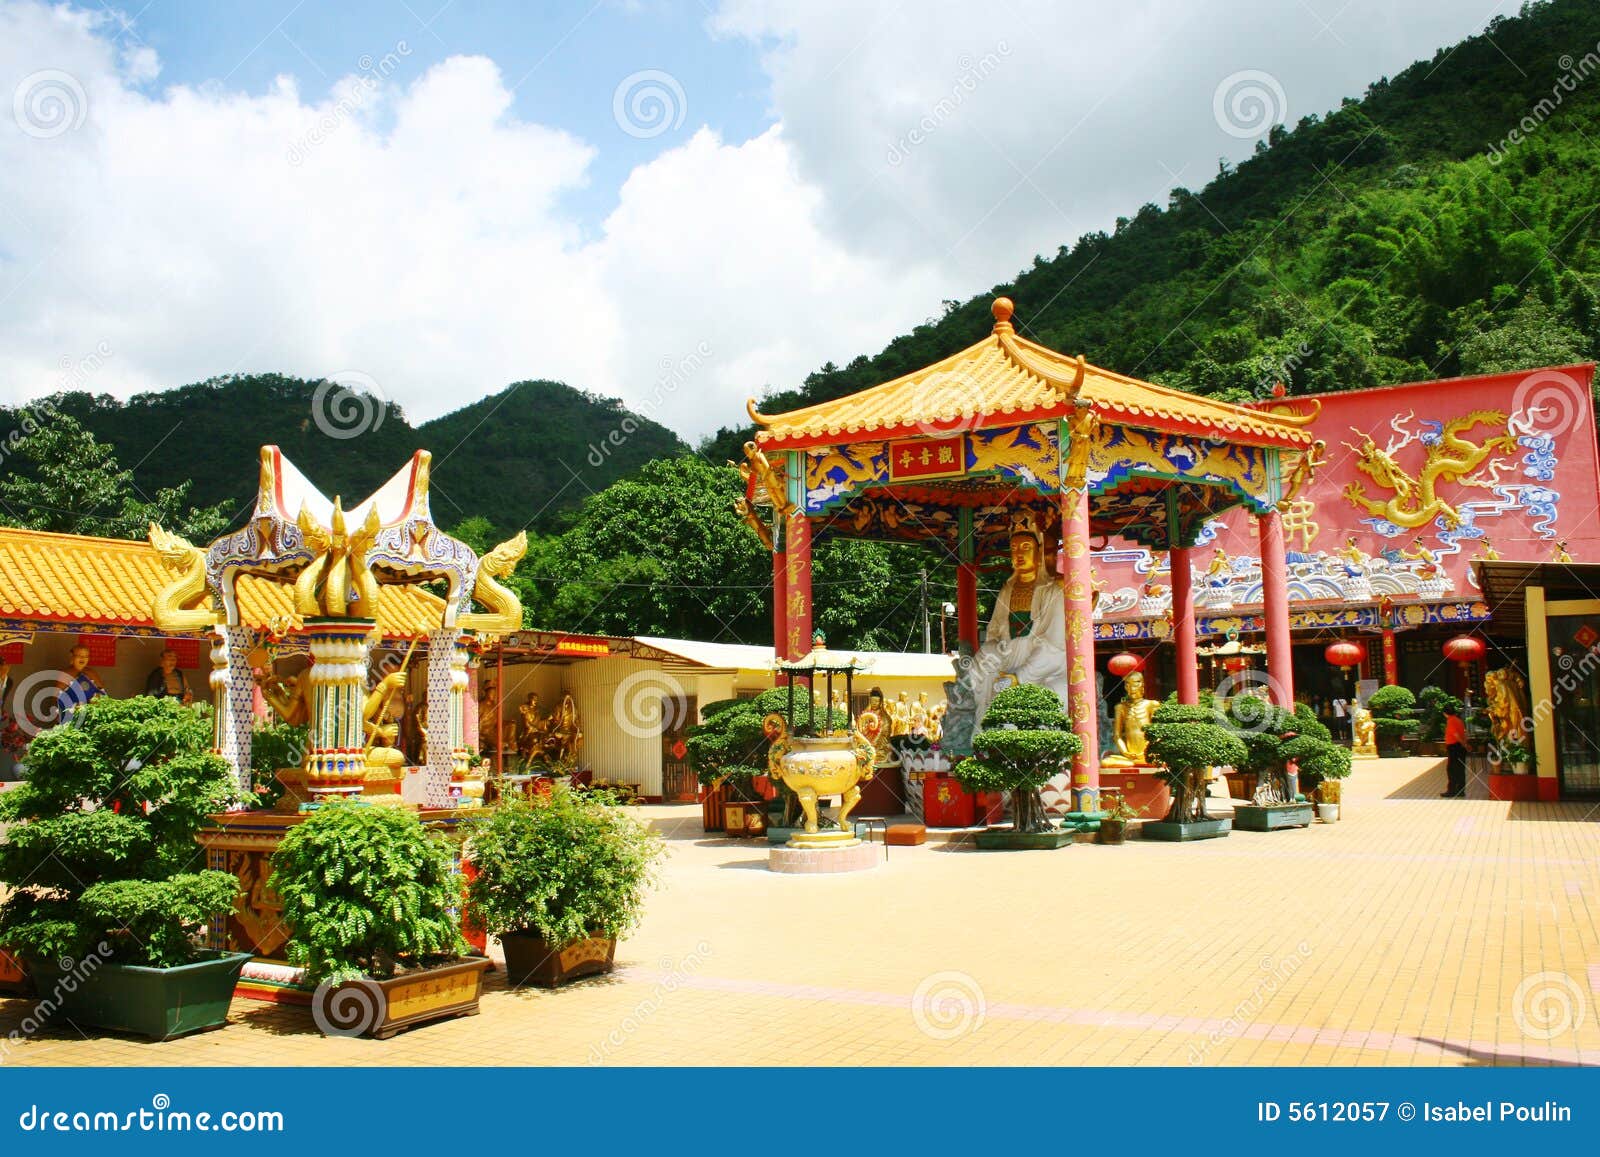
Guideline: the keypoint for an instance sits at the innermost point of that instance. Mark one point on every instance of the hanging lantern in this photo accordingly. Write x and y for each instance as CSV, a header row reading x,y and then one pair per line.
x,y
1346,653
1464,649
1237,663
1124,664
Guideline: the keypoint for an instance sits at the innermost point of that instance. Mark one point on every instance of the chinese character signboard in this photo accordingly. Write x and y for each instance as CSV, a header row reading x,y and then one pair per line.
x,y
921,458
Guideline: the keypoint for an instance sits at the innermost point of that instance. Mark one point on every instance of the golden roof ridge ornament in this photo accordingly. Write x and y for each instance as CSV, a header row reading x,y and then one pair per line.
x,y
756,415
1005,333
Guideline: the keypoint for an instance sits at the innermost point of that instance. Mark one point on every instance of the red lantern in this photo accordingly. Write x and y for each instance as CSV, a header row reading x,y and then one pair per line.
x,y
1346,653
1124,664
1235,664
1464,649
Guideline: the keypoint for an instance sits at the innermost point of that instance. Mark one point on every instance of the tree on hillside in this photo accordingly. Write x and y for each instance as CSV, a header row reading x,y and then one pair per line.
x,y
59,477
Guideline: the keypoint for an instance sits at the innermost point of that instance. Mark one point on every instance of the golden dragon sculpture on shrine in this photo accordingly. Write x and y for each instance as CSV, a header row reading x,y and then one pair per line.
x,y
503,609
184,604
1415,500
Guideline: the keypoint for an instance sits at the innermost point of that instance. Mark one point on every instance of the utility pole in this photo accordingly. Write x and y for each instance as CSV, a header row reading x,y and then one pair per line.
x,y
927,627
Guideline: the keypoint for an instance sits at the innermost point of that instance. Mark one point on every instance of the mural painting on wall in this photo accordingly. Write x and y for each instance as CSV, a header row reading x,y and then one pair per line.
x,y
1419,481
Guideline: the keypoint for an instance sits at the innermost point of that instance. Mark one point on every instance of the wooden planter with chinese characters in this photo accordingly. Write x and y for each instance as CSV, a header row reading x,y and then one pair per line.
x,y
531,960
711,801
381,1008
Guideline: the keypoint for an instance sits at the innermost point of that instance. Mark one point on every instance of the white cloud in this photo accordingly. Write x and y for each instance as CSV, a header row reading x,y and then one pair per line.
x,y
419,236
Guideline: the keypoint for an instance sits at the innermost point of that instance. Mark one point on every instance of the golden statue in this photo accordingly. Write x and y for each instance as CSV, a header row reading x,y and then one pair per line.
x,y
1133,716
503,611
1363,732
1418,552
338,583
184,604
532,728
769,479
1507,695
384,760
1221,566
754,521
899,715
936,722
1486,551
563,743
1356,559
883,754
289,696
1560,554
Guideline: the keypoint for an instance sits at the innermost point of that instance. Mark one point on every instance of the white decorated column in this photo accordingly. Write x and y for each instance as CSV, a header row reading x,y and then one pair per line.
x,y
233,695
441,732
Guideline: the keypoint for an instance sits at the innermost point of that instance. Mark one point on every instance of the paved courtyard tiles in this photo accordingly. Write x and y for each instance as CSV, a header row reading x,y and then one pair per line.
x,y
1414,931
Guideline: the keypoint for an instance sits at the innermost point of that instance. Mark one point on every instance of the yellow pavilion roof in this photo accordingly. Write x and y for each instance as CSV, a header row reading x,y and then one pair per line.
x,y
1005,378
83,582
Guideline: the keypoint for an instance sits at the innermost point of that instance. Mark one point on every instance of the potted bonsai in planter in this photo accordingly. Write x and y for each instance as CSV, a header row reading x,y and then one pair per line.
x,y
1025,738
1187,740
1518,755
369,895
1115,812
1433,703
560,880
1278,744
1393,717
103,908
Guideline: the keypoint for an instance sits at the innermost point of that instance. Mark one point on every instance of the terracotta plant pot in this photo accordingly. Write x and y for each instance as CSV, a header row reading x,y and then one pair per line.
x,y
531,960
381,1008
1112,832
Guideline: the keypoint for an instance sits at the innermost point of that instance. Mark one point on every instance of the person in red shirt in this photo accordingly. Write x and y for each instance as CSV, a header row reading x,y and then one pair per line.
x,y
1455,760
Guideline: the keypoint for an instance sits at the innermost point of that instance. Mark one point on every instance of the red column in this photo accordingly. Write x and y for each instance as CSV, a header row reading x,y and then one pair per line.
x,y
780,608
1275,609
1183,629
1078,586
967,603
797,588
1391,659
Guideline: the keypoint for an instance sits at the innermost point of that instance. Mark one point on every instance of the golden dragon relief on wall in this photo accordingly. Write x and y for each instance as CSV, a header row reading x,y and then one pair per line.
x,y
1415,500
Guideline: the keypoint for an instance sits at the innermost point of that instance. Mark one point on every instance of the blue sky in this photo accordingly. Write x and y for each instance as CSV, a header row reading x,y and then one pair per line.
x,y
191,189
564,60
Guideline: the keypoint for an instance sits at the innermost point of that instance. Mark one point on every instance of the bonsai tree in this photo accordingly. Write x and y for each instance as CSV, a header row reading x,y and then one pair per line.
x,y
562,867
1187,740
1264,729
1393,715
1433,703
1313,751
100,838
366,890
1025,739
273,748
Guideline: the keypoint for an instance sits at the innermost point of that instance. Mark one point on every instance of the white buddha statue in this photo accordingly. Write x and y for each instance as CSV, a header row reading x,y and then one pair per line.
x,y
1026,641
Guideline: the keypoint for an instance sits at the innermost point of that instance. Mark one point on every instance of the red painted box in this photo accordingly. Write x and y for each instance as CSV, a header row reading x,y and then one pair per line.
x,y
945,804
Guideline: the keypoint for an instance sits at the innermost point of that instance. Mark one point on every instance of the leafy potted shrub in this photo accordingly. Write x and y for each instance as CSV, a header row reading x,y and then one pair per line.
x,y
274,747
560,880
1283,748
100,840
1025,738
1518,755
369,895
1393,717
1186,741
1115,812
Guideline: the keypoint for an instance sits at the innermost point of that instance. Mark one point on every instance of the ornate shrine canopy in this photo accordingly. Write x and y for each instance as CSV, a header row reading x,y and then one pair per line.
x,y
952,449
328,562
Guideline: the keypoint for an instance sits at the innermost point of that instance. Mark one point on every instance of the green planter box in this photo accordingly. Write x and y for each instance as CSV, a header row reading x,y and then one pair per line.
x,y
158,1003
1272,817
1004,840
1183,833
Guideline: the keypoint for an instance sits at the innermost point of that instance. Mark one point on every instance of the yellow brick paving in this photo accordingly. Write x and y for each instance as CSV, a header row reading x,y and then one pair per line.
x,y
1399,936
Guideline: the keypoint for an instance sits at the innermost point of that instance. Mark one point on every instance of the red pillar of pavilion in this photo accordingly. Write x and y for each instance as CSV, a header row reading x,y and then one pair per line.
x,y
780,602
1183,626
1078,587
967,604
1275,609
797,587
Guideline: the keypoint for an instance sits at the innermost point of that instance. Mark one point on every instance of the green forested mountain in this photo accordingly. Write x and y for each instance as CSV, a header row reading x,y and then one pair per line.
x,y
520,457
1403,236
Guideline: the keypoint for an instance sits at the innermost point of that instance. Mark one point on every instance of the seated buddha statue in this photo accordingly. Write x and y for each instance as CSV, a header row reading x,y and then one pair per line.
x,y
1128,725
1026,640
